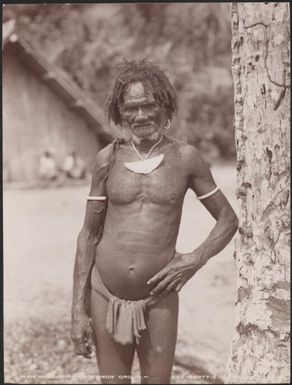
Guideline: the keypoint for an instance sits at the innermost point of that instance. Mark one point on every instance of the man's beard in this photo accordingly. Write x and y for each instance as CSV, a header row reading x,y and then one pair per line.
x,y
148,140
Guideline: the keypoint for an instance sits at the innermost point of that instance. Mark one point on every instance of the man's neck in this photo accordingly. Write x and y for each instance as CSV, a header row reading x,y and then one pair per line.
x,y
146,143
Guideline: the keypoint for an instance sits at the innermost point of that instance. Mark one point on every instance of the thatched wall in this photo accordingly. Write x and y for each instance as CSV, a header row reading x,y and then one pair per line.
x,y
34,119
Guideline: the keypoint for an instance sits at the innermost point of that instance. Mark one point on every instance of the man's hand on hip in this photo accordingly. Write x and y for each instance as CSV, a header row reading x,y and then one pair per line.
x,y
175,274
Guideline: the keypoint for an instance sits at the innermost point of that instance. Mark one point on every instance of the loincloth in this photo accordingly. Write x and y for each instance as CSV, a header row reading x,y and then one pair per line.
x,y
125,319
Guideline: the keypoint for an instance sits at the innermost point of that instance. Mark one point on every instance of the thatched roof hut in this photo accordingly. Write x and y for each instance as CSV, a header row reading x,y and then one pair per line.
x,y
44,109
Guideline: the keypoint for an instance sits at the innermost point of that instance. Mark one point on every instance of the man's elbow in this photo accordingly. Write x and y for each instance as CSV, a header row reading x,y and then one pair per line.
x,y
86,237
82,239
234,222
82,235
230,220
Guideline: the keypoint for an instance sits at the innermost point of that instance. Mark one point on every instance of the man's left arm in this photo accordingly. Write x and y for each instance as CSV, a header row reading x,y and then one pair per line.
x,y
183,266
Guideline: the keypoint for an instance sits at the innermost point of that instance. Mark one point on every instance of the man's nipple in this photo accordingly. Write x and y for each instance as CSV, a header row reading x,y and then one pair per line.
x,y
172,198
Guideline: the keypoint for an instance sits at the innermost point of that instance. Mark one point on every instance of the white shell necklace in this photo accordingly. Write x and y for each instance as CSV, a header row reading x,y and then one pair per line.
x,y
149,152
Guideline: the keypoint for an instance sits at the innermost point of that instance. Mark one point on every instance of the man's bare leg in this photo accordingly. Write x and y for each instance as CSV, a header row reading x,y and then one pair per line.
x,y
157,345
113,359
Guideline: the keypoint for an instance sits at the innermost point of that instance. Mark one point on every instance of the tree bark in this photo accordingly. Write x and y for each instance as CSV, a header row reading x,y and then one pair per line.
x,y
260,66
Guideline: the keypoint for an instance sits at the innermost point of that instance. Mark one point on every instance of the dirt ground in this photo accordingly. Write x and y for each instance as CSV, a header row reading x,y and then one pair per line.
x,y
40,231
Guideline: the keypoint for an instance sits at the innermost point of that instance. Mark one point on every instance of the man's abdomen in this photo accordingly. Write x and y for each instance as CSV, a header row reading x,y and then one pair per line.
x,y
127,262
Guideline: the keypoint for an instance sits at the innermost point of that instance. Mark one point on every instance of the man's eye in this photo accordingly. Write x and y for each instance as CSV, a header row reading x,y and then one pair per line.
x,y
129,109
150,106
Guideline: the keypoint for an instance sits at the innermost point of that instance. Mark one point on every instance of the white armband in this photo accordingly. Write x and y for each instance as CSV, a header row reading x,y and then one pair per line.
x,y
96,198
209,194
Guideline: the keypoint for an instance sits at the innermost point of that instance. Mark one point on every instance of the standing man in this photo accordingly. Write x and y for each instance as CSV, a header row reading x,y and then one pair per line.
x,y
126,258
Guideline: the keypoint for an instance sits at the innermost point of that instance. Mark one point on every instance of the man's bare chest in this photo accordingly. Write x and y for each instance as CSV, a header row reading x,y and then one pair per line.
x,y
164,185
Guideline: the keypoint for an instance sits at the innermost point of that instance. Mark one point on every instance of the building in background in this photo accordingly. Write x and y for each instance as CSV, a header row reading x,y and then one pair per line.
x,y
43,109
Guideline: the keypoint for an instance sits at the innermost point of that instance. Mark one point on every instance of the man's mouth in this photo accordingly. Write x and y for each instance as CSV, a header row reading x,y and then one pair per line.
x,y
144,125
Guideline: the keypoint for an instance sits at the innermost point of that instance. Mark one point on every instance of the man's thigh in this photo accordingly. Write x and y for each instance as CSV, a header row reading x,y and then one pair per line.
x,y
112,358
157,345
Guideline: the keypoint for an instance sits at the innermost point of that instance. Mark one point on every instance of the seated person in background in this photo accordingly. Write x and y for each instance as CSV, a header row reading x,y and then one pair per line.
x,y
47,167
74,166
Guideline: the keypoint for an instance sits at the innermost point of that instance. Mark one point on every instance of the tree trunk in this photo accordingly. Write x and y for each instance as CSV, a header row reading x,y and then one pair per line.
x,y
260,66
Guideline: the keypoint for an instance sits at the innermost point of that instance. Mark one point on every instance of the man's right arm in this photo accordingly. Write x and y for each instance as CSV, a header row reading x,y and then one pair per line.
x,y
86,245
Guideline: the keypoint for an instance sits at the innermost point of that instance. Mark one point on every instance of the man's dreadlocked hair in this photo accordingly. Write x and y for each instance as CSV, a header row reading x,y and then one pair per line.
x,y
147,73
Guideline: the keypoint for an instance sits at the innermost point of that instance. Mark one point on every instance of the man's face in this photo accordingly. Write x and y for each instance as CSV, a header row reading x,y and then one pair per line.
x,y
141,113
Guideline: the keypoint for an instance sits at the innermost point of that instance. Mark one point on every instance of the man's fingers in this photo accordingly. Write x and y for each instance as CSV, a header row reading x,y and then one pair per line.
x,y
157,277
83,349
161,286
90,340
80,349
84,343
77,340
179,286
173,284
157,290
88,352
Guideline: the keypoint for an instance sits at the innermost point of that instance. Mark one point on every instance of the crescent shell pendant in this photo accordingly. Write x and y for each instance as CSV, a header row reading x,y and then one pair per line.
x,y
144,166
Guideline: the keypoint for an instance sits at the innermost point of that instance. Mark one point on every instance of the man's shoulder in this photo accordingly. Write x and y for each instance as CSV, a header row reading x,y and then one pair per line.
x,y
192,159
188,152
104,156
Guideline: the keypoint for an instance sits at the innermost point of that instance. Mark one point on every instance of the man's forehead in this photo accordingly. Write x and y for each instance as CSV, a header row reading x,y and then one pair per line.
x,y
137,90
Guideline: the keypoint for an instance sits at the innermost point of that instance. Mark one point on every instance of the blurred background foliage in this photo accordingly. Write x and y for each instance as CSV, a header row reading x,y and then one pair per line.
x,y
190,41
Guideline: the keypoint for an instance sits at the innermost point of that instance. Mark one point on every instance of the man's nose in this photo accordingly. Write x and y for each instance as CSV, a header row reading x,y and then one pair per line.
x,y
141,115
